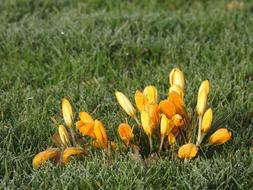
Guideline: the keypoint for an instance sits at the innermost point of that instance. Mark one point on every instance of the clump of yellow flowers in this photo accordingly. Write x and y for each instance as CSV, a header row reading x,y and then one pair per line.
x,y
167,125
168,121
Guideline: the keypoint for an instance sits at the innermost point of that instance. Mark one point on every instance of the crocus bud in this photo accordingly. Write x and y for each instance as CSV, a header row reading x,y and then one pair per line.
x,y
125,103
204,85
100,134
168,108
125,133
220,136
177,120
151,93
201,104
171,139
177,78
207,121
146,123
164,126
64,136
44,156
140,100
67,112
187,151
72,151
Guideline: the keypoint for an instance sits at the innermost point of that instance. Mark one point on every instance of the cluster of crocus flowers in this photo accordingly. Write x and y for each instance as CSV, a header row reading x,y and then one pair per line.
x,y
68,143
169,120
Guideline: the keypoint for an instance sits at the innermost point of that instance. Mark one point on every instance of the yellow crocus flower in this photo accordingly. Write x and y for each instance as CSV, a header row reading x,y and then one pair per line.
x,y
125,104
207,121
67,112
187,151
220,136
44,156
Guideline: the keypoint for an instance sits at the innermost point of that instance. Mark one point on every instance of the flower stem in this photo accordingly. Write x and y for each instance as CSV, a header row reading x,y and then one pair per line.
x,y
137,121
199,131
73,136
150,143
161,145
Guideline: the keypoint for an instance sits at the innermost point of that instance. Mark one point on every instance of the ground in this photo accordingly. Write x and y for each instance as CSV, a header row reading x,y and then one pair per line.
x,y
85,50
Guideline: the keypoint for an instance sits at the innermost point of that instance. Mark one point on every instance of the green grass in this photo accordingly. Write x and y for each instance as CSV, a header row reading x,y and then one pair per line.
x,y
84,50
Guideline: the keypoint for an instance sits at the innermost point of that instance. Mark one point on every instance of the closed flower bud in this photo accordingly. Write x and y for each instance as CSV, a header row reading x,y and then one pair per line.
x,y
168,108
125,103
44,156
187,151
204,85
220,136
177,78
64,136
207,121
164,125
146,123
100,134
67,112
201,104
125,133
72,151
151,93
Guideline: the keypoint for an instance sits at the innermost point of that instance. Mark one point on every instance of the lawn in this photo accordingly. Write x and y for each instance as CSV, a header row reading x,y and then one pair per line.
x,y
85,50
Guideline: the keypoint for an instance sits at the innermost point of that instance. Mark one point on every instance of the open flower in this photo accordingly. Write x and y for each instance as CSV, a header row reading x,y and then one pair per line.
x,y
187,151
168,108
125,133
125,104
220,136
178,102
86,124
42,157
178,120
67,112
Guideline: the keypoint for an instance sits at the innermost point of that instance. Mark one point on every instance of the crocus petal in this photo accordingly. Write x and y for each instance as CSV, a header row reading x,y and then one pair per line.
x,y
204,85
140,100
125,103
64,136
72,151
207,120
177,120
187,151
154,114
201,104
177,78
220,136
151,93
86,118
67,112
100,134
177,89
168,108
125,132
171,139
44,156
164,125
86,129
146,123
178,102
